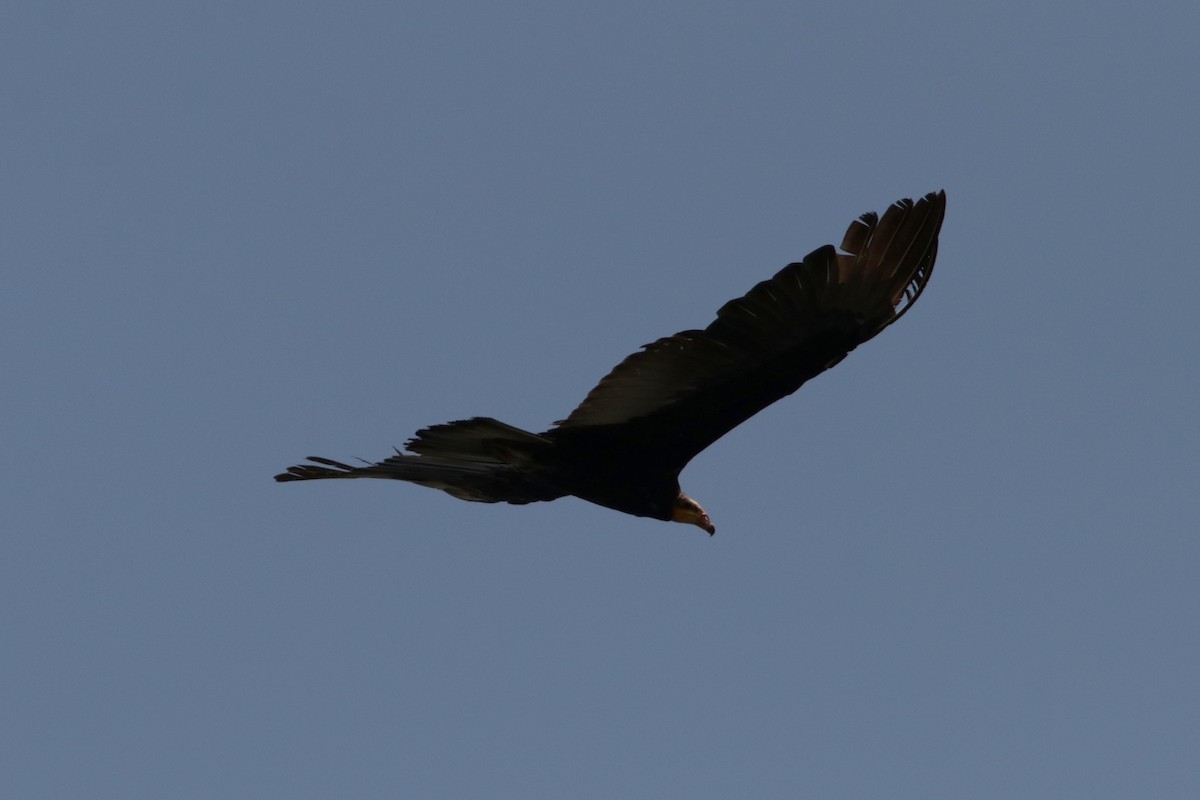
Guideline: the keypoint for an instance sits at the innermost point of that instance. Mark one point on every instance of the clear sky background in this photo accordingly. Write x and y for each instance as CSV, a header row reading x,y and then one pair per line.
x,y
964,563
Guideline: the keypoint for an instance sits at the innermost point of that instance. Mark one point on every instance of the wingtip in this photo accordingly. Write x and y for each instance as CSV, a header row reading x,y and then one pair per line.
x,y
936,199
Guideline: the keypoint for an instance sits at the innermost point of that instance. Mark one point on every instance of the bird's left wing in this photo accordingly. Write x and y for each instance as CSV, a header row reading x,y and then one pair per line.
x,y
686,391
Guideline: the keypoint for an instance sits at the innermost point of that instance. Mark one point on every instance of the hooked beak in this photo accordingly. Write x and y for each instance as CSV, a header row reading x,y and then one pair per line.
x,y
689,511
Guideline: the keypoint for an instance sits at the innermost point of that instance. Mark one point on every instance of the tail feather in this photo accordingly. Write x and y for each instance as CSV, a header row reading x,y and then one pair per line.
x,y
478,459
309,472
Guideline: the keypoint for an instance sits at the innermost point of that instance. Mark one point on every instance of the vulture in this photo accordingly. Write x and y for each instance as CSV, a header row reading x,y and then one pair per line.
x,y
626,443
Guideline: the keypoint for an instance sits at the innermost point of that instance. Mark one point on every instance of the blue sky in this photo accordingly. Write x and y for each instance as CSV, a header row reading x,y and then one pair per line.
x,y
962,564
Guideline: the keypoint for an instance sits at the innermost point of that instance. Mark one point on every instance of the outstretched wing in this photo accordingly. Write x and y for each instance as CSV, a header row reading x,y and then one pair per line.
x,y
682,393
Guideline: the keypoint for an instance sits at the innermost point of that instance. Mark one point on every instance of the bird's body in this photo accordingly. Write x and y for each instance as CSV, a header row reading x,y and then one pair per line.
x,y
626,443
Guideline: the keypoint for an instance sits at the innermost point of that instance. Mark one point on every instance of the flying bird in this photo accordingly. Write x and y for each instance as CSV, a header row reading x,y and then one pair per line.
x,y
627,442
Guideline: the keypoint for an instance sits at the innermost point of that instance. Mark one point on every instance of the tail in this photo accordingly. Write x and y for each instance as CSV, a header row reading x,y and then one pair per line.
x,y
479,459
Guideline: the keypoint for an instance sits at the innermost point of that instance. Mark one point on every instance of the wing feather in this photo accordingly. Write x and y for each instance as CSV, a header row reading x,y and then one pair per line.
x,y
691,388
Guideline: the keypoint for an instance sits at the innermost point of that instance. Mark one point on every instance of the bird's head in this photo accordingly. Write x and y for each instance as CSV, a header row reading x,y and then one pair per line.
x,y
688,510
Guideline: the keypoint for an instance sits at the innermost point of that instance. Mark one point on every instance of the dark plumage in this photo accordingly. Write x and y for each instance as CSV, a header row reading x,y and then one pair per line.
x,y
626,443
